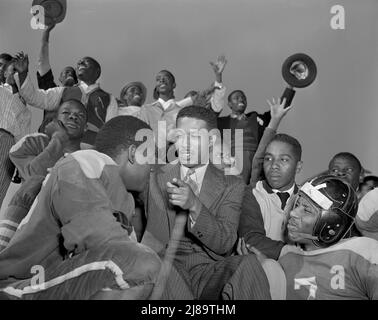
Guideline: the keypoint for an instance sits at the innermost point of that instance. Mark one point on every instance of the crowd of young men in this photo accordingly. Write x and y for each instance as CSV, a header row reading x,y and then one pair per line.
x,y
126,200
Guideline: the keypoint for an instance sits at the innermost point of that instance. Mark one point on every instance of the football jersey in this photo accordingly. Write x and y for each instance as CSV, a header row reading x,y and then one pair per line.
x,y
346,270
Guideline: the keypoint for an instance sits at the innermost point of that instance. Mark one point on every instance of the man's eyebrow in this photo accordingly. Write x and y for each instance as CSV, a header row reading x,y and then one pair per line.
x,y
286,155
281,155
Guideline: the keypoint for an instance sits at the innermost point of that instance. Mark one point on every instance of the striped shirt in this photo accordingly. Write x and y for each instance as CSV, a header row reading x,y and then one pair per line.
x,y
15,115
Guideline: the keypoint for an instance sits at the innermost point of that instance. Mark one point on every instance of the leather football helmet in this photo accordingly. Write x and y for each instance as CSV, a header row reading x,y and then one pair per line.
x,y
338,205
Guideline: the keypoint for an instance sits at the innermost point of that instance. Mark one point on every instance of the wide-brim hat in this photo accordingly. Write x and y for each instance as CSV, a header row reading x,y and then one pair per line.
x,y
55,10
135,84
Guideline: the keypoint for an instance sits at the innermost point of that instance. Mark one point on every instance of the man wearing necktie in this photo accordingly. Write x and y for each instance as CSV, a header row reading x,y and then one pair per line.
x,y
192,218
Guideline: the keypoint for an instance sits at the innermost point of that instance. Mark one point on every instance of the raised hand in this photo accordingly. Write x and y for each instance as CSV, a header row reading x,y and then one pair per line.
x,y
21,62
277,111
219,65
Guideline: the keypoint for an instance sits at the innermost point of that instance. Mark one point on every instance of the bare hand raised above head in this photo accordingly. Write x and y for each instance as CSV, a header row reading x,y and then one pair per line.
x,y
277,112
219,65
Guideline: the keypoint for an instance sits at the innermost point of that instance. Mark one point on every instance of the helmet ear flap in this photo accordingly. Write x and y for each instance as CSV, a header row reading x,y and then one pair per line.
x,y
333,225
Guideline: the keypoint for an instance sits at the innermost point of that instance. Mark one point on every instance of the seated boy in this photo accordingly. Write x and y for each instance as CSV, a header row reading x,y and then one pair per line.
x,y
266,204
37,152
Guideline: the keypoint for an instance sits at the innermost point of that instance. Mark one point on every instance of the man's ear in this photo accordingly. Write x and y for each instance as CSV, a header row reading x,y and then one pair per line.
x,y
362,175
174,85
299,167
131,154
86,127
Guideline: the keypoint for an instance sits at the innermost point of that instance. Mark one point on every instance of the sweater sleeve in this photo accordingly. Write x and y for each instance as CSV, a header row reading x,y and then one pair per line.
x,y
31,157
251,227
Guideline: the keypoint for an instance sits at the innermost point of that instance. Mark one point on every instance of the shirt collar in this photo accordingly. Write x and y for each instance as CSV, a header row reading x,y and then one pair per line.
x,y
290,190
197,176
266,186
238,116
89,88
166,104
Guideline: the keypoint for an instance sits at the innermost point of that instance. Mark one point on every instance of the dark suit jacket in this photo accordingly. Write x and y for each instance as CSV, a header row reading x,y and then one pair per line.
x,y
215,231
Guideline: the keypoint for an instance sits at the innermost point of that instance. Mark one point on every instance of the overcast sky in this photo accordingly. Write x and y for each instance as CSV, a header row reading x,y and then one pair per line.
x,y
134,39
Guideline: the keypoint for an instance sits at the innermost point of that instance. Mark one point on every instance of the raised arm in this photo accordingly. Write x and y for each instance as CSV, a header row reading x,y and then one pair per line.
x,y
218,68
44,59
42,99
277,112
214,95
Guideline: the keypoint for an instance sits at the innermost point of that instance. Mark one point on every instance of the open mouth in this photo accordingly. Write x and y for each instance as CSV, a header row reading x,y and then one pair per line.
x,y
72,126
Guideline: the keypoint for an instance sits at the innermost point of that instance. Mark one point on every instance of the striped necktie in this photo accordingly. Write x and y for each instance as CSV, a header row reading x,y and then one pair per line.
x,y
191,182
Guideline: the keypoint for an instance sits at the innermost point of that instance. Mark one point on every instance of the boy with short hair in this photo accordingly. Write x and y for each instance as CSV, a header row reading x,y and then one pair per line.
x,y
266,203
347,166
253,126
35,153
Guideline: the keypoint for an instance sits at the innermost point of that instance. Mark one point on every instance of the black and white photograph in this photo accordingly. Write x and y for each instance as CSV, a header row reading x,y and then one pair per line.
x,y
188,154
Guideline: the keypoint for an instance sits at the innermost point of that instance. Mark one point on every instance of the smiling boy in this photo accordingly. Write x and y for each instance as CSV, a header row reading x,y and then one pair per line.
x,y
37,152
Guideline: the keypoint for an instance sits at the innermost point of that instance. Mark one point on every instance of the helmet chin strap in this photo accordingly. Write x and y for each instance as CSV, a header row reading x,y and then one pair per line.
x,y
307,236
